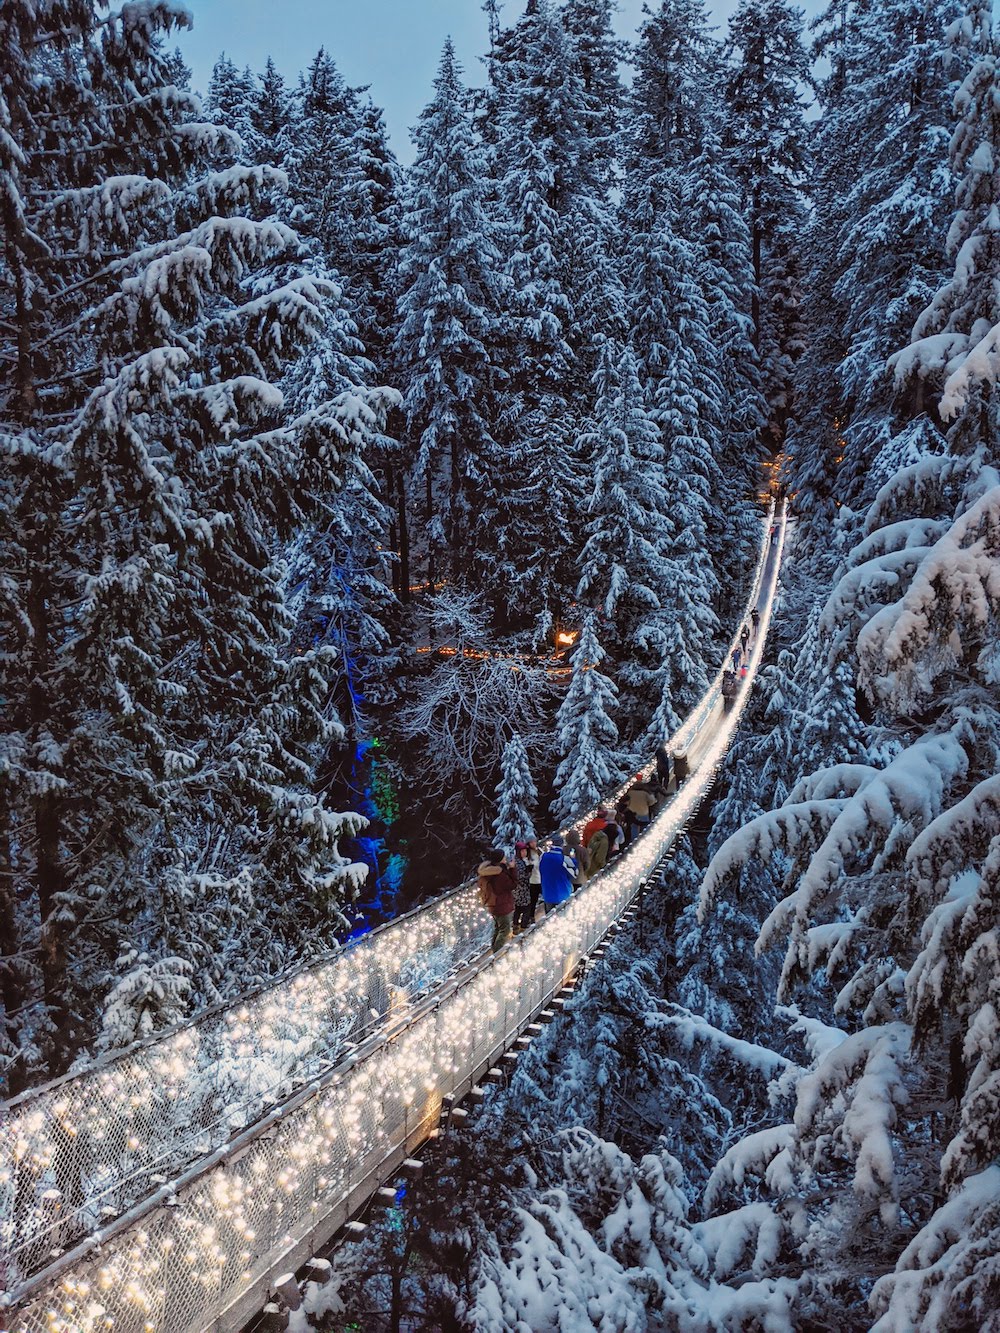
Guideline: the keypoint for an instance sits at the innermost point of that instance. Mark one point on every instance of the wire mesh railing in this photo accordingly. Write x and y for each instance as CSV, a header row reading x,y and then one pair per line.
x,y
80,1153
199,1254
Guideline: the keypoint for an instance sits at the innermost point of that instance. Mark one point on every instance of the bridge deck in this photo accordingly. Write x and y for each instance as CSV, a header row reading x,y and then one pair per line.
x,y
234,1146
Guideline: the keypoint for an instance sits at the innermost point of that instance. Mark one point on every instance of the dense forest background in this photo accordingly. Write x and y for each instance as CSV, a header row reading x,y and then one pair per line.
x,y
245,587
328,486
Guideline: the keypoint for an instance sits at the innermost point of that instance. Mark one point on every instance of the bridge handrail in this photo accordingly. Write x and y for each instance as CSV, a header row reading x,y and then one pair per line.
x,y
84,1148
199,1254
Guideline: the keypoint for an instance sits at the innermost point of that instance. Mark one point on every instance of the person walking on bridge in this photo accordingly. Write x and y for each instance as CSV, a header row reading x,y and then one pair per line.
x,y
641,800
557,874
579,853
601,845
496,892
601,817
524,907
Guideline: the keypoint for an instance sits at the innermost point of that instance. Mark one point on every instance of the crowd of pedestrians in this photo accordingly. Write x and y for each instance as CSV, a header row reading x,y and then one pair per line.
x,y
511,888
740,660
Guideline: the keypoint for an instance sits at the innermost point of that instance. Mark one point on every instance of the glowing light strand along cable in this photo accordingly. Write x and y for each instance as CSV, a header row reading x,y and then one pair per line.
x,y
243,1211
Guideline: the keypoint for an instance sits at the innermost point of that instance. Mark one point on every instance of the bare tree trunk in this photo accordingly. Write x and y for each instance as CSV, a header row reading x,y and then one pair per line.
x,y
49,880
404,539
13,991
430,520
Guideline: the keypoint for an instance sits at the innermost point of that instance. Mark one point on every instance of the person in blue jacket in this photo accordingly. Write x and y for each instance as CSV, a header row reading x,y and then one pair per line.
x,y
557,870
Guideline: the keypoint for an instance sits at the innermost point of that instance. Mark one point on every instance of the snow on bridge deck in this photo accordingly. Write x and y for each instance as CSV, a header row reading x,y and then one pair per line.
x,y
162,1189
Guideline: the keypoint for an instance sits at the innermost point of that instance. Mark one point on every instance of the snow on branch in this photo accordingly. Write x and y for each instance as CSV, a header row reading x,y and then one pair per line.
x,y
949,842
866,588
875,823
791,828
836,781
691,1028
764,1155
951,1256
852,1099
903,535
931,485
981,366
750,1236
954,596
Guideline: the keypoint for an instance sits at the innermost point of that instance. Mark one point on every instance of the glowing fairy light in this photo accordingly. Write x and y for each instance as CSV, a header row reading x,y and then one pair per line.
x,y
360,1115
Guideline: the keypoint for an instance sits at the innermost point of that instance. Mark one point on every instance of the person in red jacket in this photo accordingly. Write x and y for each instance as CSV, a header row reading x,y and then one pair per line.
x,y
497,883
601,818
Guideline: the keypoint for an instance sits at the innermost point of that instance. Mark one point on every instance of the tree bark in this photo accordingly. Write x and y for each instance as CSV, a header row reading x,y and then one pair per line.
x,y
404,539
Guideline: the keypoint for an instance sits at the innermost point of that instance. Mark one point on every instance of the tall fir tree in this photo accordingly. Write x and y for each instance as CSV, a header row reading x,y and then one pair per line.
x,y
586,732
229,101
159,733
543,176
625,566
449,326
516,797
883,199
767,145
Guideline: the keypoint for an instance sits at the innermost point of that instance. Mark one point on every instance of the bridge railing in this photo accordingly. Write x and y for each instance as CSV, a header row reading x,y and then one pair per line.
x,y
87,1146
200,1256
80,1153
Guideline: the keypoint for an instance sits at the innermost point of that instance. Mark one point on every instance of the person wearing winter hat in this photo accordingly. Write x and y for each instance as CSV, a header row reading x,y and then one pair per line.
x,y
496,893
557,874
524,914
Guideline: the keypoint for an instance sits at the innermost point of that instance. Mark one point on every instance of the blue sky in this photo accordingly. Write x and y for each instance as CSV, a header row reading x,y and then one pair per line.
x,y
393,45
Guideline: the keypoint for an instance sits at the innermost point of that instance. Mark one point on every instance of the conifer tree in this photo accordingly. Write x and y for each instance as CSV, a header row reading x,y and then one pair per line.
x,y
159,732
766,141
587,735
544,176
625,563
671,104
270,117
229,101
678,366
598,56
448,325
516,795
891,863
883,202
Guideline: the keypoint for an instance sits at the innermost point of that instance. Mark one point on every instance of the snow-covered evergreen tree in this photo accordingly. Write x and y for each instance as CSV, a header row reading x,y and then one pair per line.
x,y
449,317
892,862
587,736
229,101
625,566
883,201
544,178
766,142
516,796
678,368
671,104
158,729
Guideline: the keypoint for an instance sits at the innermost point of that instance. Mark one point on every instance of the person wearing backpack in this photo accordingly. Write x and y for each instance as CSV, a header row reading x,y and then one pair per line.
x,y
580,855
601,847
496,893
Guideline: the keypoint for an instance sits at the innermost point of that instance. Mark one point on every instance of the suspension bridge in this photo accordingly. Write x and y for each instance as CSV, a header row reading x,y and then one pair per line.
x,y
162,1189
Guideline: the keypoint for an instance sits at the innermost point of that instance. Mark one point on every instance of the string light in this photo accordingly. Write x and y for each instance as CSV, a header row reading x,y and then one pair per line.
x,y
360,1116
